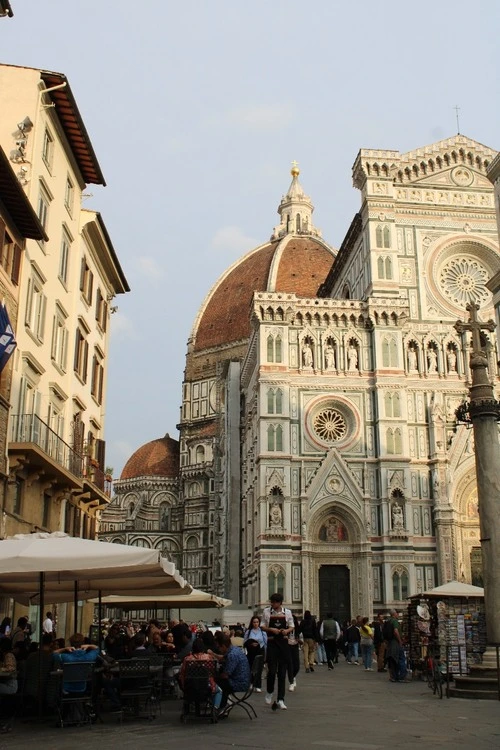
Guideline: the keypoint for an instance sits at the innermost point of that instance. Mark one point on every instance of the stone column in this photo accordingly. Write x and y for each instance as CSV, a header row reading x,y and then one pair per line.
x,y
484,413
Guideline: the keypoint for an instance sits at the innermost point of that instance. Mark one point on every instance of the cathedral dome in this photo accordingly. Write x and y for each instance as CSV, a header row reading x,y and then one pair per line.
x,y
158,458
293,264
296,260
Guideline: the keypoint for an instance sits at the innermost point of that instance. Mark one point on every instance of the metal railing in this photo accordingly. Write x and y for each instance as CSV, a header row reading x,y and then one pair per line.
x,y
29,428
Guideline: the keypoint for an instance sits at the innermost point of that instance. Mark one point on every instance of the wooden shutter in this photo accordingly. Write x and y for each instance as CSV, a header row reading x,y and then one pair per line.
x,y
16,264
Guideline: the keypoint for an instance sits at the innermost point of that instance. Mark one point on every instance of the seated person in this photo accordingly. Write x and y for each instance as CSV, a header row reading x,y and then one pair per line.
x,y
235,674
115,643
186,643
32,668
139,650
8,665
237,637
77,651
169,643
157,646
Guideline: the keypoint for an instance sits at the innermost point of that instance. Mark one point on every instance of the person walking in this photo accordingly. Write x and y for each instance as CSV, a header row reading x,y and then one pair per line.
x,y
378,642
330,632
294,662
255,642
366,634
353,638
309,632
277,622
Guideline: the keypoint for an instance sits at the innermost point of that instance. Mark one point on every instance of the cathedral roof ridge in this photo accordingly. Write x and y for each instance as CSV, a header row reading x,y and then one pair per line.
x,y
456,141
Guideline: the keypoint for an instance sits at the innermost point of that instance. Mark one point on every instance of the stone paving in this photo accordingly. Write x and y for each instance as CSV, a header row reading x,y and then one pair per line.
x,y
344,709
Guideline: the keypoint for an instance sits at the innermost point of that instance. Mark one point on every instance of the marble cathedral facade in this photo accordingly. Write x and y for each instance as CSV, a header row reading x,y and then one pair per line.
x,y
319,450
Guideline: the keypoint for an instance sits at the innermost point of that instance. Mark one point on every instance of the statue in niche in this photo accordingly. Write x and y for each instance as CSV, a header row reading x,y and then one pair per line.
x,y
307,356
412,359
333,531
165,518
352,358
275,515
397,517
451,358
431,361
329,358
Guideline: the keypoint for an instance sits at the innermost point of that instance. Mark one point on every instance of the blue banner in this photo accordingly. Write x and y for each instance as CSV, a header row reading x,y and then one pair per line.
x,y
7,339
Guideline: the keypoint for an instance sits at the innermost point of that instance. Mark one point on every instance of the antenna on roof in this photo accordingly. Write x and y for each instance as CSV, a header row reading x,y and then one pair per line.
x,y
457,109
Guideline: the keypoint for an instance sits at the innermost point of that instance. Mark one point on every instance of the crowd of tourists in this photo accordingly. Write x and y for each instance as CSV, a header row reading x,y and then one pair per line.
x,y
279,637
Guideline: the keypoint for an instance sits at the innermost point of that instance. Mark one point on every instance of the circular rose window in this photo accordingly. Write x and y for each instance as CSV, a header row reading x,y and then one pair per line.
x,y
329,425
463,280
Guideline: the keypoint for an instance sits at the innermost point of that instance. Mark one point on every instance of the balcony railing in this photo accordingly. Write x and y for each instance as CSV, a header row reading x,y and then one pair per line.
x,y
29,428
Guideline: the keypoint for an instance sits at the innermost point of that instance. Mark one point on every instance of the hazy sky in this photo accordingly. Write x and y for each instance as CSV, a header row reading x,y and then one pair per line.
x,y
196,109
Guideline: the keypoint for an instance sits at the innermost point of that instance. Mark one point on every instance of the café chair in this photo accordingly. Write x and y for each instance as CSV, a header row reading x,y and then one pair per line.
x,y
75,704
241,699
198,698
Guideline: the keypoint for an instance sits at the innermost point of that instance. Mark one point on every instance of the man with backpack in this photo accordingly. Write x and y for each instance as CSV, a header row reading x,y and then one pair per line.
x,y
379,642
394,647
330,632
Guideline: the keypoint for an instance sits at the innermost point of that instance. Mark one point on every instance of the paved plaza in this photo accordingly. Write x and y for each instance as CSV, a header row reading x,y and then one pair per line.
x,y
344,709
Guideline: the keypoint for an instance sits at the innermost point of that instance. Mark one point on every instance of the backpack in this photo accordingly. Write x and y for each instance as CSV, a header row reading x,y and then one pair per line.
x,y
388,630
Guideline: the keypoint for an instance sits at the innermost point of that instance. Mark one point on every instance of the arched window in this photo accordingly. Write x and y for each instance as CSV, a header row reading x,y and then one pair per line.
x,y
389,352
388,405
398,442
393,352
270,438
276,582
270,348
387,237
139,543
277,350
381,268
379,236
396,405
297,223
279,401
389,439
270,401
279,438
388,268
385,353
131,509
400,587
200,454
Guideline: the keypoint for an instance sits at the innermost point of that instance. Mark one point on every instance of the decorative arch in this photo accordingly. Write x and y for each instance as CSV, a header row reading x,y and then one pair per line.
x,y
276,580
352,525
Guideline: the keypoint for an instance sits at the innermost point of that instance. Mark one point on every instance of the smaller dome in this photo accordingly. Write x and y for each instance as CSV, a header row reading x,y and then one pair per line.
x,y
159,458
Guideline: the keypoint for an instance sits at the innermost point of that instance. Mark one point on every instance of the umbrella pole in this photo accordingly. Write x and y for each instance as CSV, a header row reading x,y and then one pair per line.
x,y
99,620
41,586
75,607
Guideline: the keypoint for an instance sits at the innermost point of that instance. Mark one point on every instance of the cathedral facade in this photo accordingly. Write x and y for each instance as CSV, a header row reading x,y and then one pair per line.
x,y
319,452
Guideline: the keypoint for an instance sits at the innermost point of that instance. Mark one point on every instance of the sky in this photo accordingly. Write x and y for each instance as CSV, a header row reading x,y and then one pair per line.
x,y
196,110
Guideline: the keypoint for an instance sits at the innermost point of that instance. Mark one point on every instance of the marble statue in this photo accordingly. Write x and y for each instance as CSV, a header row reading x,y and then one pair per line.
x,y
307,355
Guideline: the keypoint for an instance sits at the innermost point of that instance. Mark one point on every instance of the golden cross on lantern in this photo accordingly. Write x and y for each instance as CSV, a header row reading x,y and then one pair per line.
x,y
475,326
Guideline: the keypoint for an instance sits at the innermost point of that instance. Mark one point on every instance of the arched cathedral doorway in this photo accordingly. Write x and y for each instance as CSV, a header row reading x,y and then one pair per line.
x,y
337,564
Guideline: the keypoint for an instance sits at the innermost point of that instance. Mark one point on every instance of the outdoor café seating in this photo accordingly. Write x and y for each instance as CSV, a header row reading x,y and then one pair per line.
x,y
198,697
76,698
241,700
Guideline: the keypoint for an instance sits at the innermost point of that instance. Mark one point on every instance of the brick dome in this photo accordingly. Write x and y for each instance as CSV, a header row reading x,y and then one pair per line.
x,y
158,458
294,264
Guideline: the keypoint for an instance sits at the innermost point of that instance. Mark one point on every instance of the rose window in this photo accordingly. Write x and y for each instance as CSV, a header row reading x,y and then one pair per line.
x,y
329,425
463,280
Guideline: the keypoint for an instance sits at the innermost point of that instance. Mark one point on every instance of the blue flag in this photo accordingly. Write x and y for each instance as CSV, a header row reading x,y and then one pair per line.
x,y
7,339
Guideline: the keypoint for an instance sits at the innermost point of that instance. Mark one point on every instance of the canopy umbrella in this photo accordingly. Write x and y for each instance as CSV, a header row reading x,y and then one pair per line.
x,y
196,598
456,588
69,566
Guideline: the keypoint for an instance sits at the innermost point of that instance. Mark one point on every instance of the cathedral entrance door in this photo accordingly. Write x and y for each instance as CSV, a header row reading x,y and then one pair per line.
x,y
335,592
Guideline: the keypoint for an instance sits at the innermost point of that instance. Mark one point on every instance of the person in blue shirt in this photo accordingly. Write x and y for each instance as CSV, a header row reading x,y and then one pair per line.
x,y
77,651
235,675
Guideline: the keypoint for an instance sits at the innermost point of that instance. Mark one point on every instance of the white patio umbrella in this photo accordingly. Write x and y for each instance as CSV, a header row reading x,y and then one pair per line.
x,y
60,568
196,599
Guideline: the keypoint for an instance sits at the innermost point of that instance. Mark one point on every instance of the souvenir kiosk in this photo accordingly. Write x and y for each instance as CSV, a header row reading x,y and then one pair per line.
x,y
449,623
